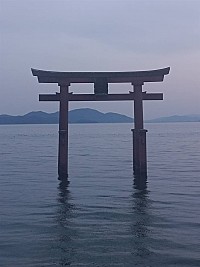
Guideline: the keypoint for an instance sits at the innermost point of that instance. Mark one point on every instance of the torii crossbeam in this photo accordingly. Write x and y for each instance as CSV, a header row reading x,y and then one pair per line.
x,y
101,81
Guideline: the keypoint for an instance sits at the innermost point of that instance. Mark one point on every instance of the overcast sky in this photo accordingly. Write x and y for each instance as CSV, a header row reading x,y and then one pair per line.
x,y
100,35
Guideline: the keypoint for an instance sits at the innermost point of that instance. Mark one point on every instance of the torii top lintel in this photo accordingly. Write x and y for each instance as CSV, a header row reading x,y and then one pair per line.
x,y
92,77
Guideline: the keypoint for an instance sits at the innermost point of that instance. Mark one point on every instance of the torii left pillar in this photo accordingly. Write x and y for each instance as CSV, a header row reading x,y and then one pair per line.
x,y
63,132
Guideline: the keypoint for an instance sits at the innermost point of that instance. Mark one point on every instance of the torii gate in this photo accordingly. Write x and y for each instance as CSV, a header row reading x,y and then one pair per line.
x,y
101,81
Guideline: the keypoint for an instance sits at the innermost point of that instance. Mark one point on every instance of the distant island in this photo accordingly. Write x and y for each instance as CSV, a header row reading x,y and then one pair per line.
x,y
86,115
177,118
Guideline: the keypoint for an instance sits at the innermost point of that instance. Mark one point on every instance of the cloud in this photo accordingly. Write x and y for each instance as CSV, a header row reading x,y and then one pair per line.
x,y
94,35
143,26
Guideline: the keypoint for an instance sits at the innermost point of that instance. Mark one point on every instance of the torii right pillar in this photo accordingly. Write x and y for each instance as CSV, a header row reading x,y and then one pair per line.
x,y
139,137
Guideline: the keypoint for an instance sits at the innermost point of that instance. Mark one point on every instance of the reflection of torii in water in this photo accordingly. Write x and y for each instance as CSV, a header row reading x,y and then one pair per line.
x,y
64,232
140,227
101,81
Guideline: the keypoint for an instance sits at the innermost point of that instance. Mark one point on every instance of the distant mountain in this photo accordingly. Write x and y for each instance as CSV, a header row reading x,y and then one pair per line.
x,y
84,115
36,117
178,118
87,115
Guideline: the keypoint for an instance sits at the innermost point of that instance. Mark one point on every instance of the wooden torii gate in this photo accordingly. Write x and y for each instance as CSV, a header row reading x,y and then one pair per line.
x,y
101,81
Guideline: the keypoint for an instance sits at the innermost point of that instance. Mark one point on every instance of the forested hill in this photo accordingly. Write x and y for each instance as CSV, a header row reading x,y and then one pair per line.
x,y
87,115
84,115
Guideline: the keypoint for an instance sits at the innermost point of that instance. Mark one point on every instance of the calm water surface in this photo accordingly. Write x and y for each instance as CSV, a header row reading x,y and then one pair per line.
x,y
100,219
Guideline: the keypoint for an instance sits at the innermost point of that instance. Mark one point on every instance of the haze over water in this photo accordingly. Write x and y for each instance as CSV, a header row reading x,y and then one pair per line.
x,y
100,219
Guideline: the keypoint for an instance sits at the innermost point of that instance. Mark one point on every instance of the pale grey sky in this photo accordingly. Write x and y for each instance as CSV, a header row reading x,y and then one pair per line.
x,y
106,35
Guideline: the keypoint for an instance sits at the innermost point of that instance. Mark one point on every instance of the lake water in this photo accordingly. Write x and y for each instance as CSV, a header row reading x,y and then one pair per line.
x,y
100,219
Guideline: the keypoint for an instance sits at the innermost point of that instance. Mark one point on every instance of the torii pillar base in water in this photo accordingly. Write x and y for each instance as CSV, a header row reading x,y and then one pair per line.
x,y
139,153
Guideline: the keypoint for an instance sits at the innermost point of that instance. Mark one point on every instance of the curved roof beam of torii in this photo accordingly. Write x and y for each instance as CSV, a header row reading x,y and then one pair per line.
x,y
92,77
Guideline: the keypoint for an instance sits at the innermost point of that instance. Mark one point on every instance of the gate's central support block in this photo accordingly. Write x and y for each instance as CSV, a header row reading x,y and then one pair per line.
x,y
101,87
